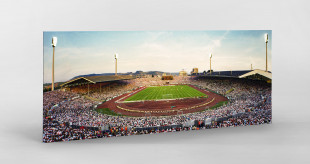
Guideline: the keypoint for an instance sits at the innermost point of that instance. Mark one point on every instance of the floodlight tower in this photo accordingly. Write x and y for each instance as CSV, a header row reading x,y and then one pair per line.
x,y
266,41
210,62
54,42
116,56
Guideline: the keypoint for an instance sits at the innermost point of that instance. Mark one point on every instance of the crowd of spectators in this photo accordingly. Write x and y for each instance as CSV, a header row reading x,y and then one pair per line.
x,y
69,115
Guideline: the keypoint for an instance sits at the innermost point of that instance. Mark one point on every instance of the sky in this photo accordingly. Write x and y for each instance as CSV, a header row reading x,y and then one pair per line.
x,y
78,53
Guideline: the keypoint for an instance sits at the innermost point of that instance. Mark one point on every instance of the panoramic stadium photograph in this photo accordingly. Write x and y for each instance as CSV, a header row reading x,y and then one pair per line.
x,y
101,84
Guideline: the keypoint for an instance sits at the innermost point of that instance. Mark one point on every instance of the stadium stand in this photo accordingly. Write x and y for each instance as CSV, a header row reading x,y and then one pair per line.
x,y
69,115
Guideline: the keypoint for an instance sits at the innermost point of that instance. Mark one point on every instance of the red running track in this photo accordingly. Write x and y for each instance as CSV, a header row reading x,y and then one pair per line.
x,y
162,107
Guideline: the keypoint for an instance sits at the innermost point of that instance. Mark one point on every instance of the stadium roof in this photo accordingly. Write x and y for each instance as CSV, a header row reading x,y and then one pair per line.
x,y
257,72
96,79
235,74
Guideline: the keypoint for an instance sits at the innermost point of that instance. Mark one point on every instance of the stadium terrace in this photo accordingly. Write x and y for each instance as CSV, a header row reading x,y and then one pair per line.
x,y
88,107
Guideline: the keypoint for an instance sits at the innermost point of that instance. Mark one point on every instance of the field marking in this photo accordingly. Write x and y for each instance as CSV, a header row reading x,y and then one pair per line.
x,y
150,93
165,111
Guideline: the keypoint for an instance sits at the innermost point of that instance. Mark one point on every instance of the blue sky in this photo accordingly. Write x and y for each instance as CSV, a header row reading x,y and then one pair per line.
x,y
79,53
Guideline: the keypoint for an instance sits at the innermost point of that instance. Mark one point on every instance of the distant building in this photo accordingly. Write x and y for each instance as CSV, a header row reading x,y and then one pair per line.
x,y
182,73
194,71
167,77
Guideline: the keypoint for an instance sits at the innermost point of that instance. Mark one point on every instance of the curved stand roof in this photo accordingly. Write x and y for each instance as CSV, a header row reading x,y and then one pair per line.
x,y
257,72
96,79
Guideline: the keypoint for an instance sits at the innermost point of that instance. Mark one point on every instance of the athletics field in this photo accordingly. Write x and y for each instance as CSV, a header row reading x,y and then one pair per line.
x,y
166,92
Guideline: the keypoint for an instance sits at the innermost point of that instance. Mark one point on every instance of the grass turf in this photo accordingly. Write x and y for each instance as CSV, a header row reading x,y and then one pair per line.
x,y
166,92
219,104
107,111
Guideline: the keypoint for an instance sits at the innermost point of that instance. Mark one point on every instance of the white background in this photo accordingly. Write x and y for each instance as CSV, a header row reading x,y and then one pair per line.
x,y
285,141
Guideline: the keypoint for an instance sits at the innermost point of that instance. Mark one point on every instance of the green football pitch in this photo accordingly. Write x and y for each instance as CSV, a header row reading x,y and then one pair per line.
x,y
166,92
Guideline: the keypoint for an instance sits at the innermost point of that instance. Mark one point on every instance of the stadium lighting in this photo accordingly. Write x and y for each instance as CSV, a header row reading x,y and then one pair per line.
x,y
54,43
266,41
266,38
116,57
210,62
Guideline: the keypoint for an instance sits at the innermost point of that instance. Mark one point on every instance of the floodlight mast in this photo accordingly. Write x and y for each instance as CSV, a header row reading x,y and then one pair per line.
x,y
116,56
266,40
54,43
210,63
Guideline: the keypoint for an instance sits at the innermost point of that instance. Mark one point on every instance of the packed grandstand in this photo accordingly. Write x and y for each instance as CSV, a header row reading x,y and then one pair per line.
x,y
72,113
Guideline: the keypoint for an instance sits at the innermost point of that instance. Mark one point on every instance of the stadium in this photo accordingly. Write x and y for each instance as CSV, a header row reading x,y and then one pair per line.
x,y
107,105
122,104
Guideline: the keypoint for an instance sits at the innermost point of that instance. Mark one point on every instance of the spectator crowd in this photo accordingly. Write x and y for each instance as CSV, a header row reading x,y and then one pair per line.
x,y
70,115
